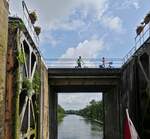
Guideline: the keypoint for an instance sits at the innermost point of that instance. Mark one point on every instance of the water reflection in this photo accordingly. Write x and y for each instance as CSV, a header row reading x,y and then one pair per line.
x,y
94,125
76,127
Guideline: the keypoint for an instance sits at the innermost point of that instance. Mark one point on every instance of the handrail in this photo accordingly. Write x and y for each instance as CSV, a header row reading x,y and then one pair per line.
x,y
28,24
30,29
86,63
139,41
129,55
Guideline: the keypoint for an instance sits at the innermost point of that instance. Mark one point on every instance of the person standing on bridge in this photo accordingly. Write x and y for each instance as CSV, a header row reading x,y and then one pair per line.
x,y
79,62
103,62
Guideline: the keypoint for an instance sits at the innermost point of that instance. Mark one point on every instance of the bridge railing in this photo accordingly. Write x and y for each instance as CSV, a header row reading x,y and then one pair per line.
x,y
86,63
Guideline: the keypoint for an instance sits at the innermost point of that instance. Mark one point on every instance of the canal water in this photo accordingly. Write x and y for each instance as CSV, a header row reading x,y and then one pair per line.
x,y
77,127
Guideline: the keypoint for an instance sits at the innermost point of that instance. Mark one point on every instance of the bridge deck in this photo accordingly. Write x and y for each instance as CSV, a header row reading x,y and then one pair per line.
x,y
83,79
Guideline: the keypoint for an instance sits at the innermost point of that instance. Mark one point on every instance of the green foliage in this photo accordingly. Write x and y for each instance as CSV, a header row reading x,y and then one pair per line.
x,y
93,111
37,29
71,112
19,25
33,17
60,109
36,82
20,57
60,113
27,85
15,115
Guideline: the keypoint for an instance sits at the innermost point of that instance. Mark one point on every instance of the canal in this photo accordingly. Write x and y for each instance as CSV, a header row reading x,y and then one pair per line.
x,y
77,127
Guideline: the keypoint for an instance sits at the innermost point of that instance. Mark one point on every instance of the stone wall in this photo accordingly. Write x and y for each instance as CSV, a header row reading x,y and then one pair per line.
x,y
3,51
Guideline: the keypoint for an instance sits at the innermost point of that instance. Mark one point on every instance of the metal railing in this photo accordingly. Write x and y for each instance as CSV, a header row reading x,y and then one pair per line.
x,y
30,28
129,55
145,34
139,41
86,63
28,24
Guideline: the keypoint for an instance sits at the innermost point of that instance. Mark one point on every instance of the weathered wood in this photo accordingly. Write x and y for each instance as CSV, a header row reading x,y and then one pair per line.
x,y
52,113
135,90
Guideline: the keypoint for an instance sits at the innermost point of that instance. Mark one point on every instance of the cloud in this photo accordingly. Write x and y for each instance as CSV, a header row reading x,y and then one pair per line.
x,y
49,39
68,25
128,4
57,15
136,5
132,3
74,100
55,11
112,22
87,49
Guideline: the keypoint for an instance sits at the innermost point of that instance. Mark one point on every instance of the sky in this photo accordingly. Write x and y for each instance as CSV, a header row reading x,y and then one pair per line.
x,y
90,28
77,101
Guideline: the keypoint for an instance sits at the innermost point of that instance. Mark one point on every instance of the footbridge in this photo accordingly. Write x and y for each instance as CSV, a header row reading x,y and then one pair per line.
x,y
106,80
83,79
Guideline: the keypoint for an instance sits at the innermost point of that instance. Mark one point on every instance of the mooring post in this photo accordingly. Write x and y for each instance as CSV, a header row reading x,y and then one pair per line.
x,y
52,113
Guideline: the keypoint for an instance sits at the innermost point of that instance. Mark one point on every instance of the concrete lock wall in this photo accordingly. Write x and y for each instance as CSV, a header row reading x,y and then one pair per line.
x,y
12,122
126,96
129,94
44,104
135,90
3,51
111,100
10,78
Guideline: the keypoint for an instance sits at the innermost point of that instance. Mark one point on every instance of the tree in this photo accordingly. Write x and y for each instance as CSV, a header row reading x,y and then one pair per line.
x,y
93,111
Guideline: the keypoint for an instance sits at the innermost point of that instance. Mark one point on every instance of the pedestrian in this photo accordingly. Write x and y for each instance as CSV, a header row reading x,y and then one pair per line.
x,y
79,62
103,62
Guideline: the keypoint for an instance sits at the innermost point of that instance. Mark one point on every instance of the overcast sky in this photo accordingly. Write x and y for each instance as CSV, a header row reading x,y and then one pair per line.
x,y
77,100
91,28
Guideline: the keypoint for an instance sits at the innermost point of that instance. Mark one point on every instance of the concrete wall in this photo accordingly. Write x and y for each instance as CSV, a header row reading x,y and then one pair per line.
x,y
111,100
130,94
135,90
11,96
10,78
44,104
3,51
